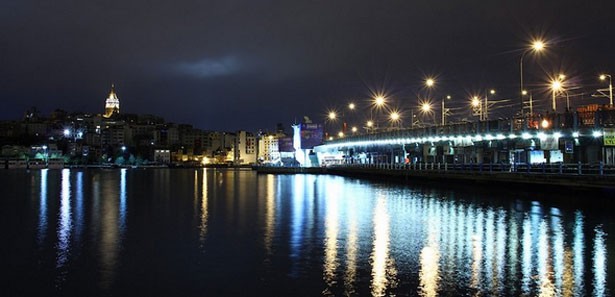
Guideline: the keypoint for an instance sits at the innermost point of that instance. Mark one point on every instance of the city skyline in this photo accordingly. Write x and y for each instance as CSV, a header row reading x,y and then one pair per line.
x,y
206,63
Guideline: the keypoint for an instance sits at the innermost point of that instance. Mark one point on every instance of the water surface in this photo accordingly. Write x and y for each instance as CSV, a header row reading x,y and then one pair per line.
x,y
189,232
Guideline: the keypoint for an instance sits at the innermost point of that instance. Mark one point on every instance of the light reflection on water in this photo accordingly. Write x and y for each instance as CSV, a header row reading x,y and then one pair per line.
x,y
204,211
359,238
64,226
599,262
42,213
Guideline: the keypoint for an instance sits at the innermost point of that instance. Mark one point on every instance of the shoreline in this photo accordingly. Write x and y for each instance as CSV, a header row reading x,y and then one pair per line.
x,y
518,180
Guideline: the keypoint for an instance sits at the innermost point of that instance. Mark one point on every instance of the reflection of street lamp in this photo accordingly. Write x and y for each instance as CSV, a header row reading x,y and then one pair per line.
x,y
536,46
603,77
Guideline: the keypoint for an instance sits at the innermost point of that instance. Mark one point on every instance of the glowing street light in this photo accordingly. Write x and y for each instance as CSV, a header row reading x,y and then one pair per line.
x,y
545,124
426,107
369,126
477,107
354,129
603,77
340,134
332,115
536,46
394,116
556,86
444,110
351,106
430,82
379,101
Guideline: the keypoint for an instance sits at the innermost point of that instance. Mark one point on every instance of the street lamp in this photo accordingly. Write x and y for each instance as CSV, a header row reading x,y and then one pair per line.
x,y
444,110
369,125
430,82
486,111
603,77
477,107
379,103
556,86
536,46
332,115
394,117
46,154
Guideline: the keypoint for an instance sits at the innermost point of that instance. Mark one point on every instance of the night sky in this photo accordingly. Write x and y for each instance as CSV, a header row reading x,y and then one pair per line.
x,y
228,65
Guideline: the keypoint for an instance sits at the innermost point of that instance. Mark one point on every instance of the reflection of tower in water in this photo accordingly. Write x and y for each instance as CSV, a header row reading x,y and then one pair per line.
x,y
113,225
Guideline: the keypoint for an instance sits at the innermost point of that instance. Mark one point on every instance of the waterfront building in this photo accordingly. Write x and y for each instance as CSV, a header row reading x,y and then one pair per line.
x,y
162,156
244,148
268,148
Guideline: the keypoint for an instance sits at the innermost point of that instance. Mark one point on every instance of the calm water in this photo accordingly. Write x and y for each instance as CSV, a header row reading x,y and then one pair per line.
x,y
224,232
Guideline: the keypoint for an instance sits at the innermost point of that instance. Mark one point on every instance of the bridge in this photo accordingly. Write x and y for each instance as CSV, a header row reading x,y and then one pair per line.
x,y
580,141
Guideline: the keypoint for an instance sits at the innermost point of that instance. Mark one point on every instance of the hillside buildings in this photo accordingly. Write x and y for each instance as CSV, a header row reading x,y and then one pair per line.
x,y
114,137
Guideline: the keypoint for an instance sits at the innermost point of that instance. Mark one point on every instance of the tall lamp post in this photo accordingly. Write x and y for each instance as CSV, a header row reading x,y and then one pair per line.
x,y
486,111
603,77
444,110
379,103
477,107
556,85
426,109
536,46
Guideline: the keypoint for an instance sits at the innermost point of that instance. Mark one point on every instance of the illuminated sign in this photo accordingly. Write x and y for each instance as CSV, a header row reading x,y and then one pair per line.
x,y
311,135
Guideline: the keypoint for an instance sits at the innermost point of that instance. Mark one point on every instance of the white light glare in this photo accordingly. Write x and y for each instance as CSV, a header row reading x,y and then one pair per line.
x,y
541,135
597,134
575,134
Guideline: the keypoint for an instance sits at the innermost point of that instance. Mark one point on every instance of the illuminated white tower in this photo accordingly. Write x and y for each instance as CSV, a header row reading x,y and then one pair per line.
x,y
112,104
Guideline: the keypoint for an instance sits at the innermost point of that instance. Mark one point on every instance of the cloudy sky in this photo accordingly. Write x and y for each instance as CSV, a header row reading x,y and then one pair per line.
x,y
249,64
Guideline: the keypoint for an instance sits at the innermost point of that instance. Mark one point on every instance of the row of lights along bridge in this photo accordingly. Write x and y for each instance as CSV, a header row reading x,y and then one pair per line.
x,y
479,105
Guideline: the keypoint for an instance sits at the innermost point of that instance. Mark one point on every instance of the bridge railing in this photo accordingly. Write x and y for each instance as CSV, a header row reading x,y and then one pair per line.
x,y
543,168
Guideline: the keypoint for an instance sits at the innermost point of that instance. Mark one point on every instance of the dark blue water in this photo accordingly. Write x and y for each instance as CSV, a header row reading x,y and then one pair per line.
x,y
230,232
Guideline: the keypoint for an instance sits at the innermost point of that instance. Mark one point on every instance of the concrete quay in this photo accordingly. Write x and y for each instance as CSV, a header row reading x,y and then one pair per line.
x,y
503,180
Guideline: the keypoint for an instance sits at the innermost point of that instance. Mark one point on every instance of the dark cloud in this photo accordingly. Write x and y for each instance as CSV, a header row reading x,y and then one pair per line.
x,y
249,64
